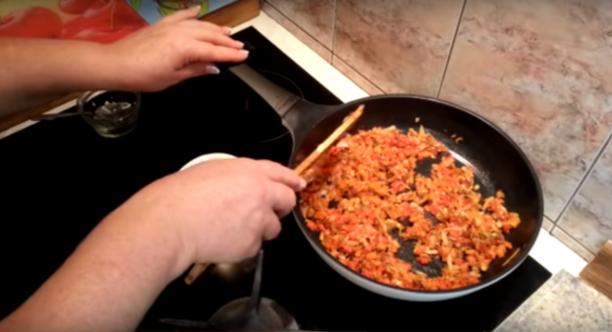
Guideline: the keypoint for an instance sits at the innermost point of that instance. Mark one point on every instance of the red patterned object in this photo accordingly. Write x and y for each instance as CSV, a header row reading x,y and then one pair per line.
x,y
101,21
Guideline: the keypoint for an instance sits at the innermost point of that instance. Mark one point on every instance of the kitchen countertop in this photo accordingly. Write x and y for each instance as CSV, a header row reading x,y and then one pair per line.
x,y
563,303
548,251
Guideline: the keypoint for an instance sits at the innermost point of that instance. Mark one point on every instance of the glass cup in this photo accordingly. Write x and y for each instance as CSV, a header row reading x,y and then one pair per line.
x,y
110,113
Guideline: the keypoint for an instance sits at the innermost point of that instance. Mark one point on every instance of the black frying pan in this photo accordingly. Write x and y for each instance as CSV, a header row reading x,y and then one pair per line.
x,y
498,162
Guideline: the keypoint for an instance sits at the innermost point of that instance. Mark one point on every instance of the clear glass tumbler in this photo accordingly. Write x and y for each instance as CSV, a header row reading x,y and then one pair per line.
x,y
110,113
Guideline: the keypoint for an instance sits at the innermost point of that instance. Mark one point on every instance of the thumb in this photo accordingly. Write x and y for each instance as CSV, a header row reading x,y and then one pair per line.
x,y
279,173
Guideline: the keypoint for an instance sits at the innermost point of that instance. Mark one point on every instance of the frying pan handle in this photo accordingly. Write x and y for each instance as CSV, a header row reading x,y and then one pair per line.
x,y
298,115
278,98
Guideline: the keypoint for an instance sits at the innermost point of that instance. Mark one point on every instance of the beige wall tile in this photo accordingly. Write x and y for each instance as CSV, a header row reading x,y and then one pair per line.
x,y
547,224
542,71
571,243
300,34
401,46
316,17
356,77
589,216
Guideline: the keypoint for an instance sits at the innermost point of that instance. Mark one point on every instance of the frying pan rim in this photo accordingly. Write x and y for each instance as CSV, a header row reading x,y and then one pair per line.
x,y
470,288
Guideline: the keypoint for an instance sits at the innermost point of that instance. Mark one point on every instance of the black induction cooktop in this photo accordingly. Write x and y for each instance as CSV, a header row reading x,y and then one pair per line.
x,y
60,178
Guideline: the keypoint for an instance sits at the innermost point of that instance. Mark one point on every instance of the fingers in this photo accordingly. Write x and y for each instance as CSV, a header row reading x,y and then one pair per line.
x,y
198,69
197,25
183,15
204,41
190,15
272,227
281,198
206,52
279,173
216,38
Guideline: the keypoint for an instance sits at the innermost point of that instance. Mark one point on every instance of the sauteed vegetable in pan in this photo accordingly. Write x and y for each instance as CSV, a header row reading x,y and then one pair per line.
x,y
366,194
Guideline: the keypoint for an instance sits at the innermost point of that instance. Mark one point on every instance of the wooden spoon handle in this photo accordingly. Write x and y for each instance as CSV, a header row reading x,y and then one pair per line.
x,y
348,122
195,272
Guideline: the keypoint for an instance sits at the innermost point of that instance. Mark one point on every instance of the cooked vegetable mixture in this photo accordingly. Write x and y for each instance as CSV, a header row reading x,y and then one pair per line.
x,y
365,196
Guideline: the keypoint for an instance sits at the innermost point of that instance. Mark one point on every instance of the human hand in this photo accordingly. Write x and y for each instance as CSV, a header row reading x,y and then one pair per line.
x,y
221,210
176,48
216,211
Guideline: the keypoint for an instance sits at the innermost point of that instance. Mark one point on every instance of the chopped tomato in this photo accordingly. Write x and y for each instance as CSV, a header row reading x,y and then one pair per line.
x,y
375,194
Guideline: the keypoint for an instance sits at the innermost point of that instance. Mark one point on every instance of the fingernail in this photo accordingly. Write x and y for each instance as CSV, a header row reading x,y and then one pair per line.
x,y
196,8
227,30
303,183
240,44
213,70
245,52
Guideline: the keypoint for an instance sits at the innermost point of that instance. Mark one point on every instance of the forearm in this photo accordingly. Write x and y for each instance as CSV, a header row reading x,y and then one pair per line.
x,y
111,279
34,69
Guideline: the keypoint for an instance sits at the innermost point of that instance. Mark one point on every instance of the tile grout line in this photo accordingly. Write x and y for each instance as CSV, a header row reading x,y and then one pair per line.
x,y
573,239
578,187
584,177
358,73
333,54
300,28
450,51
333,39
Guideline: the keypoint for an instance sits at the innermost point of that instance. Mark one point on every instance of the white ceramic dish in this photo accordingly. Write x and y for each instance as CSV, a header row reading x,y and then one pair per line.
x,y
207,157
